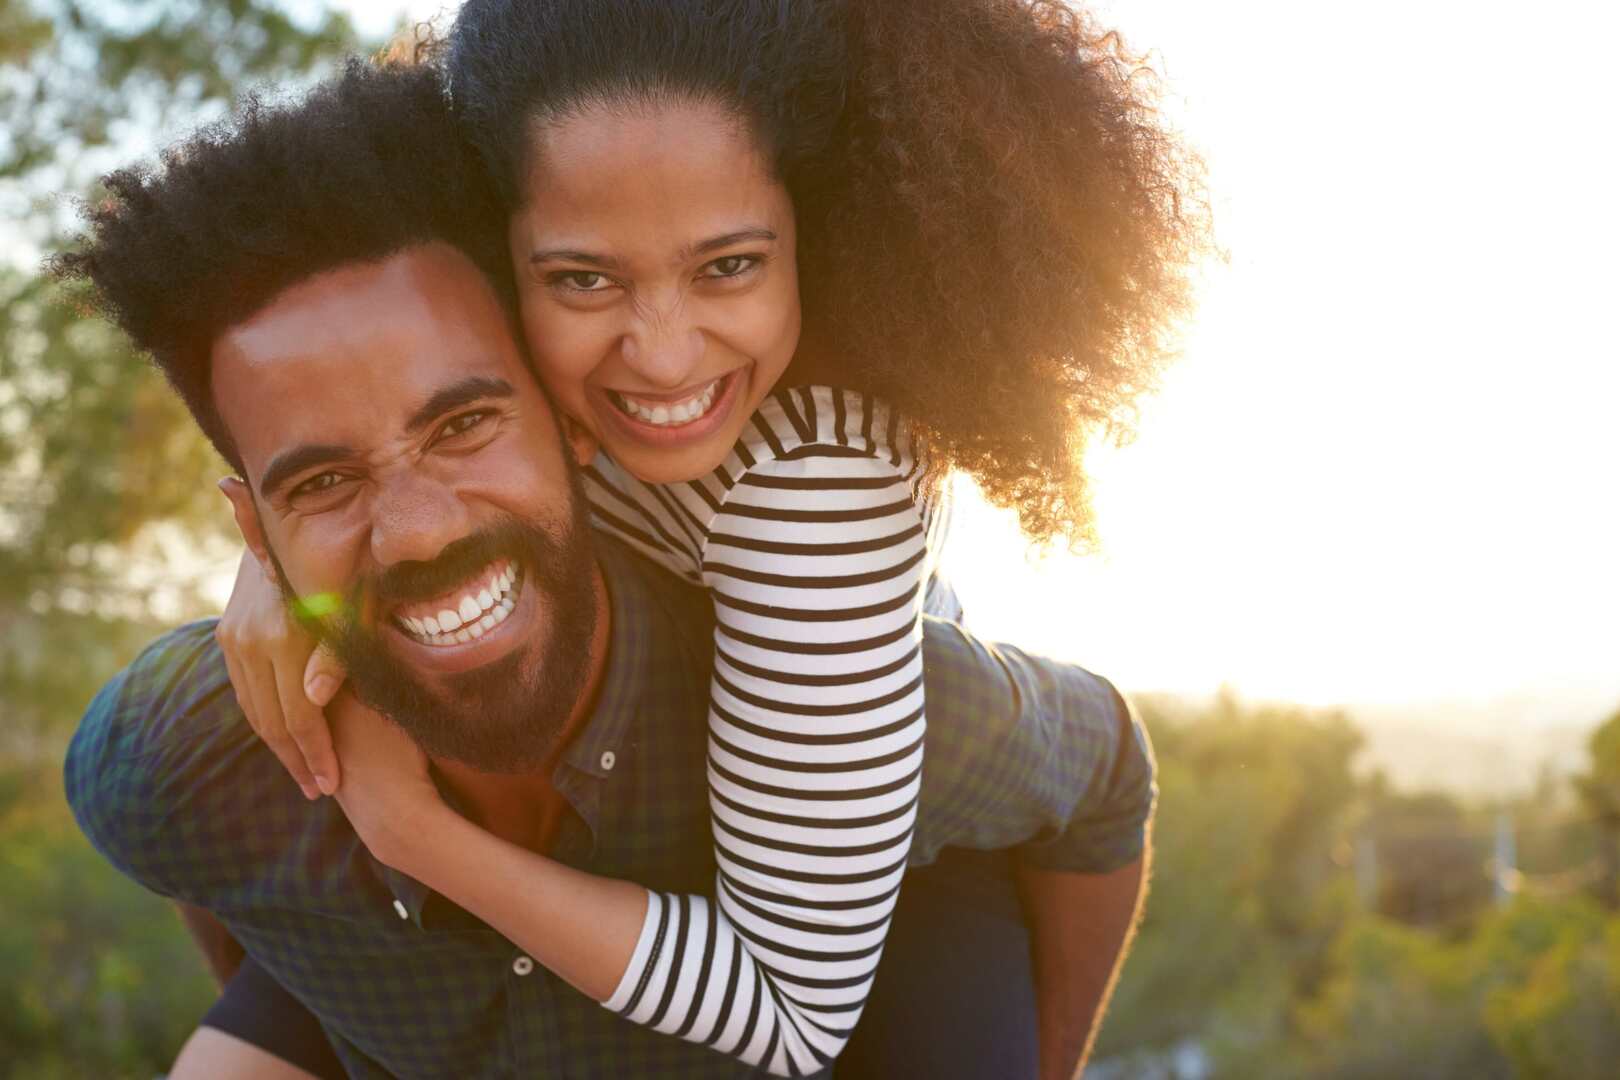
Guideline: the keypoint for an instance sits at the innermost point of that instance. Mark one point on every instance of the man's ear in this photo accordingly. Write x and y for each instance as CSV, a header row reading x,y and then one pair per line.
x,y
247,520
580,440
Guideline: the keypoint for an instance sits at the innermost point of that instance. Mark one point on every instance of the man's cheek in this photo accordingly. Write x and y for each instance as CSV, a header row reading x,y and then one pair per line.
x,y
323,552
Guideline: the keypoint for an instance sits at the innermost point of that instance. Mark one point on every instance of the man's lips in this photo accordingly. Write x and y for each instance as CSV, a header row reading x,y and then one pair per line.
x,y
465,613
470,647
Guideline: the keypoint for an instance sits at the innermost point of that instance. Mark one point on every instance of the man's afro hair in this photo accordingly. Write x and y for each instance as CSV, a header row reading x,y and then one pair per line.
x,y
366,164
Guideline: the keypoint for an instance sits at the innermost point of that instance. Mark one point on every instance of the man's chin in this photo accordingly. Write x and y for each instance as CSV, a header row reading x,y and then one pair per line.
x,y
485,718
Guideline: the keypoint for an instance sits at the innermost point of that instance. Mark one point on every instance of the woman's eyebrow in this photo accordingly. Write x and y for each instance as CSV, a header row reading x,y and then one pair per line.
x,y
715,243
570,255
692,251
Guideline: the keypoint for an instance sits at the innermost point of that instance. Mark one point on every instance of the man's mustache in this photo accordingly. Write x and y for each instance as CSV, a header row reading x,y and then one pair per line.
x,y
408,582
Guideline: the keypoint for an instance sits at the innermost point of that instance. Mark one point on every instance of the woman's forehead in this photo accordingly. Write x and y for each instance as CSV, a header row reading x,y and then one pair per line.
x,y
677,173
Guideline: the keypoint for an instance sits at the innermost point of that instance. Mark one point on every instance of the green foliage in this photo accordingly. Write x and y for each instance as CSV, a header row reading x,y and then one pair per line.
x,y
107,506
1433,857
95,455
1246,896
96,976
1257,951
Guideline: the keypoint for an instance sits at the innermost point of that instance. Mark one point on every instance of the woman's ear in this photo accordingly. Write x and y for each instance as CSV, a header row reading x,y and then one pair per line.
x,y
247,520
580,440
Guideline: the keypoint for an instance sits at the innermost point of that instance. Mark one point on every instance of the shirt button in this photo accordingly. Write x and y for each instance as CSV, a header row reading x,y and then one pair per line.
x,y
522,965
608,760
399,909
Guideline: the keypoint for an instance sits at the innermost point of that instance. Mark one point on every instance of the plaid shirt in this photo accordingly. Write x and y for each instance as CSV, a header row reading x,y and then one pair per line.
x,y
170,783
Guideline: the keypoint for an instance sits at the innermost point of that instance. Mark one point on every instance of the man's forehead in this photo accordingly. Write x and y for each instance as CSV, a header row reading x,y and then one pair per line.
x,y
367,342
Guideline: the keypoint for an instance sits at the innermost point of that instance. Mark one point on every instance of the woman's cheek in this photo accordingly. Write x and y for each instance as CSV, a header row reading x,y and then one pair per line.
x,y
566,354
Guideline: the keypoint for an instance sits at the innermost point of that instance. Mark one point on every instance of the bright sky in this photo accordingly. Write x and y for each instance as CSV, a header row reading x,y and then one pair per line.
x,y
1385,469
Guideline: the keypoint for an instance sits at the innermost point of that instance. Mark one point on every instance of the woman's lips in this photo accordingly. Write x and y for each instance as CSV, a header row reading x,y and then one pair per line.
x,y
671,410
716,399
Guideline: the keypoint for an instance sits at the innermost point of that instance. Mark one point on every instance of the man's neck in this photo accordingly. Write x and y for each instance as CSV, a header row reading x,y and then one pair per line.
x,y
526,808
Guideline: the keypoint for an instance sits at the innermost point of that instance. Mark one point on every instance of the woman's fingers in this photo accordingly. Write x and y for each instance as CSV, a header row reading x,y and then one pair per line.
x,y
265,655
239,685
273,728
306,725
323,676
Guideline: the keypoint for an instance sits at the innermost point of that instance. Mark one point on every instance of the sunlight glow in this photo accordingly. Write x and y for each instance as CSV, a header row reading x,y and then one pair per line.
x,y
1385,469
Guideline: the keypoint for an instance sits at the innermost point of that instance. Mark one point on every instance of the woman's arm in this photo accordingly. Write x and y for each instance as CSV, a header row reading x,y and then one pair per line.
x,y
816,726
815,560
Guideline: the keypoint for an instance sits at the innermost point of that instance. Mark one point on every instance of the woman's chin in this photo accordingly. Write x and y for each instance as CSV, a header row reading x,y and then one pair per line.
x,y
670,454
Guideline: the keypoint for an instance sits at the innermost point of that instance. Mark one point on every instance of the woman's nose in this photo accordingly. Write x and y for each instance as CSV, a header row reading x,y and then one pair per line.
x,y
664,348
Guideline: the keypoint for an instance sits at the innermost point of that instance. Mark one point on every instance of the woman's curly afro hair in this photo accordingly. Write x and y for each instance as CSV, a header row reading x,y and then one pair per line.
x,y
996,227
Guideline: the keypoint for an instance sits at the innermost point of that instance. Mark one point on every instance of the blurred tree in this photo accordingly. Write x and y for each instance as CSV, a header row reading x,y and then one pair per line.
x,y
1432,859
1246,898
107,506
1599,791
106,493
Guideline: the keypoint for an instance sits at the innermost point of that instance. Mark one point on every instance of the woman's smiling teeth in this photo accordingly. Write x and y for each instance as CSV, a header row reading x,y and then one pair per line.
x,y
668,413
481,607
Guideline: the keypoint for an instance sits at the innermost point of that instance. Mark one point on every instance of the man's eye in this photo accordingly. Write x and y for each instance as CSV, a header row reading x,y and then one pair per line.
x,y
319,485
730,266
460,425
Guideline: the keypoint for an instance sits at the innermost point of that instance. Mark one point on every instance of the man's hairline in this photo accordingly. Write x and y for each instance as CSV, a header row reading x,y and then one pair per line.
x,y
232,451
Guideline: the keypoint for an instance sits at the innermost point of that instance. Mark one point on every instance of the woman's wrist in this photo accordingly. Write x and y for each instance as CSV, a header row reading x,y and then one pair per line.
x,y
408,837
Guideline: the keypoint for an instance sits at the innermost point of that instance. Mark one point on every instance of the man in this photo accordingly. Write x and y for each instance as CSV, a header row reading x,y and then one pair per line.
x,y
326,287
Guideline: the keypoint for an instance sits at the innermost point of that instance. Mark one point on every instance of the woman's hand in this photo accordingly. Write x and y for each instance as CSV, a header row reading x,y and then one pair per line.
x,y
388,792
282,680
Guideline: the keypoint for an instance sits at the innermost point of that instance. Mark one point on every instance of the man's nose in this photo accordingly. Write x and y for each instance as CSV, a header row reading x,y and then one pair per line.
x,y
664,347
414,518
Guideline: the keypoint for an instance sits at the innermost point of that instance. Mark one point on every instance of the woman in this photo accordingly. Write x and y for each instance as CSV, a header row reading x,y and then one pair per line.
x,y
971,212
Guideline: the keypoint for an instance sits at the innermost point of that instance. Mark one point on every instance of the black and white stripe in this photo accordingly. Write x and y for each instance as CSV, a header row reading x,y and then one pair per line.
x,y
813,538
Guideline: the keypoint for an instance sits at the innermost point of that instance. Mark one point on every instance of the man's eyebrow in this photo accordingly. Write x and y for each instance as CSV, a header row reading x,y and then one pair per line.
x,y
284,466
472,388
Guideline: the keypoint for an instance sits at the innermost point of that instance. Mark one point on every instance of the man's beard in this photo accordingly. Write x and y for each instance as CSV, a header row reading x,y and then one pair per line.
x,y
507,716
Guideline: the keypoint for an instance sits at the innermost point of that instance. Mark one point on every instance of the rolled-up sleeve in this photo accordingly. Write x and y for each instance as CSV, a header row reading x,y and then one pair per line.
x,y
1108,825
1029,753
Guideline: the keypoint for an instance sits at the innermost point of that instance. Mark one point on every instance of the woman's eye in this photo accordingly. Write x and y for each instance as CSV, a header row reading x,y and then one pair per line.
x,y
582,281
731,266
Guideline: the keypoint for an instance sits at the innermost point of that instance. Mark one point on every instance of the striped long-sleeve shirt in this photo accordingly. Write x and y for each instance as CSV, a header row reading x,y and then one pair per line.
x,y
812,538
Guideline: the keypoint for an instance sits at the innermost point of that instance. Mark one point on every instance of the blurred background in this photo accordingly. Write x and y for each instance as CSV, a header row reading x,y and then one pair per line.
x,y
1358,565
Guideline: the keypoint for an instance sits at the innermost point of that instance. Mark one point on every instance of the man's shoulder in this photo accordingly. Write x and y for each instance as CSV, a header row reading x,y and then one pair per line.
x,y
168,780
174,698
978,684
652,603
1028,750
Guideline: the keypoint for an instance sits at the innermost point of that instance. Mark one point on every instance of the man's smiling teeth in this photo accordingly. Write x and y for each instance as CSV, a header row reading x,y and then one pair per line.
x,y
668,413
480,609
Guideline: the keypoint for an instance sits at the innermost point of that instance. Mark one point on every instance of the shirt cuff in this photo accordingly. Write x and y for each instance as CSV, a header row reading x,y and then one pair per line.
x,y
633,983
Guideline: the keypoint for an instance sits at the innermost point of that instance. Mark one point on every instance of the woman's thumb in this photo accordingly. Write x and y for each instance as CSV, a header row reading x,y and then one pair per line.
x,y
322,676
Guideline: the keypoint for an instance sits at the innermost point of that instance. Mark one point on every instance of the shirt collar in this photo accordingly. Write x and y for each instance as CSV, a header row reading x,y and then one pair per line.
x,y
600,746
